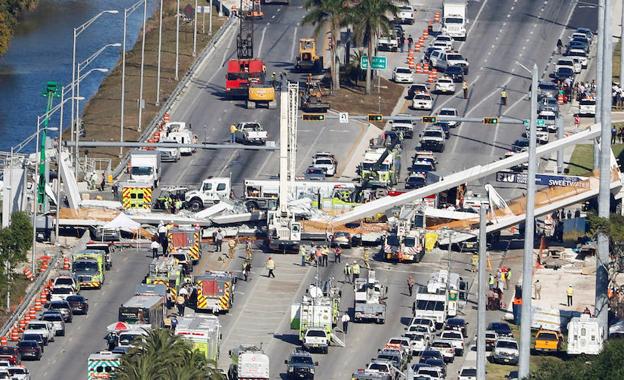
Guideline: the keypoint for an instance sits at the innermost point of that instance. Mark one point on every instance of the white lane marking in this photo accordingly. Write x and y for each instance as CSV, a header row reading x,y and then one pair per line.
x,y
294,43
474,22
309,151
264,164
225,51
437,109
272,17
261,41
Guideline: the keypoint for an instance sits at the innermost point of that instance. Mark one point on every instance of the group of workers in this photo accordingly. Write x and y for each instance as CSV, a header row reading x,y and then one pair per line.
x,y
171,202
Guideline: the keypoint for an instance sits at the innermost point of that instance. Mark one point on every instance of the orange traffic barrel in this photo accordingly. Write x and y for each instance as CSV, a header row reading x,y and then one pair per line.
x,y
38,305
28,273
14,335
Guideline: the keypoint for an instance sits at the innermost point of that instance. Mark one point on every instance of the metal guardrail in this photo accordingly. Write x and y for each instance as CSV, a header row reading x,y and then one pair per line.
x,y
209,49
36,287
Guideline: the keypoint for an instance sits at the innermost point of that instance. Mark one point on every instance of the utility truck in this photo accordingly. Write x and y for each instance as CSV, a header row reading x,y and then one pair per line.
x,y
143,310
180,133
212,191
316,316
370,299
584,336
204,332
248,362
454,19
145,166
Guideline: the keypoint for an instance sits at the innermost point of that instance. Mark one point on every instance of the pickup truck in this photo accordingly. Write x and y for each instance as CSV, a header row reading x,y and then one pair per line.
x,y
316,339
389,42
405,126
457,340
432,139
406,14
548,341
250,133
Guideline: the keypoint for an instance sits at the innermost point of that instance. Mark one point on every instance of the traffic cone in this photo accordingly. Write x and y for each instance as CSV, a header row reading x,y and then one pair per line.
x,y
38,305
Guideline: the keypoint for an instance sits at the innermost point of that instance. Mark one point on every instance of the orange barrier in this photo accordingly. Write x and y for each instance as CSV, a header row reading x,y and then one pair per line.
x,y
4,341
419,69
28,273
32,313
560,99
38,305
166,117
14,335
66,265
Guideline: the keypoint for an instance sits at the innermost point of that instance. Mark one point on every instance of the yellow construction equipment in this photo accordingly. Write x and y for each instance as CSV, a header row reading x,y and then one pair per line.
x,y
261,95
308,60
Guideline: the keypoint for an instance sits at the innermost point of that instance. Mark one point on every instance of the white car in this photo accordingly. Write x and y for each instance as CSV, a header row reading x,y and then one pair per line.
x,y
326,164
61,292
445,348
19,373
587,107
550,120
431,373
66,281
402,75
456,59
442,45
450,112
467,373
571,63
445,85
43,325
418,342
429,323
580,54
542,137
422,102
505,351
456,338
169,154
406,14
448,40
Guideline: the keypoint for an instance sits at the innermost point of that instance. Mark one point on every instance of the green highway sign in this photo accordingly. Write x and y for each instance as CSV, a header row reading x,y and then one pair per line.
x,y
540,122
377,63
525,122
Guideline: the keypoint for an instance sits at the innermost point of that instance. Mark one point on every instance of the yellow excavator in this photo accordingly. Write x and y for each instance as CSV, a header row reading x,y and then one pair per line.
x,y
308,60
261,95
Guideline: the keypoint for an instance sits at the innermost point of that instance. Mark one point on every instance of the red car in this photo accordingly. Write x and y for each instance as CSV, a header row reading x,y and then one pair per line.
x,y
10,354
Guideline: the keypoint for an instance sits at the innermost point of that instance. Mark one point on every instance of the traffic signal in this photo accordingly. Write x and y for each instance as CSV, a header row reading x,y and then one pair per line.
x,y
375,117
490,120
429,119
313,116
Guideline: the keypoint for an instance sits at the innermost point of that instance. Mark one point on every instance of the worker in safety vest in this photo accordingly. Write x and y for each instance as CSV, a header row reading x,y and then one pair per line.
x,y
231,248
491,281
232,133
347,273
366,258
465,87
570,293
503,97
355,270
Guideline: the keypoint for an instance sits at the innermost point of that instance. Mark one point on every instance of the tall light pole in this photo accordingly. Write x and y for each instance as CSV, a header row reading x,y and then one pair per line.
x,y
127,12
600,57
195,30
77,129
622,48
177,38
77,32
159,50
141,102
529,233
81,66
604,192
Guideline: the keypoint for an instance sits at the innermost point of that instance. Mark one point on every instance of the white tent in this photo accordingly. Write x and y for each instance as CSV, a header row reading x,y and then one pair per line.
x,y
123,222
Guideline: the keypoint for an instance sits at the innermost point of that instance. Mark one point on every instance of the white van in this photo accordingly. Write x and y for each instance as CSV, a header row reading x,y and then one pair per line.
x,y
587,107
584,336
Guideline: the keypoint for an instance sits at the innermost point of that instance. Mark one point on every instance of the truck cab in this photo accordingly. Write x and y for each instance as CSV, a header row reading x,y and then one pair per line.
x,y
548,341
211,192
145,166
250,133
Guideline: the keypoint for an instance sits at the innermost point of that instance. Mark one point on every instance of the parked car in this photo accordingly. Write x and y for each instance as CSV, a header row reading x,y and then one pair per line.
x,y
61,292
467,373
10,354
402,75
67,281
64,308
19,373
444,347
341,239
501,329
46,327
505,351
314,174
416,181
57,319
37,337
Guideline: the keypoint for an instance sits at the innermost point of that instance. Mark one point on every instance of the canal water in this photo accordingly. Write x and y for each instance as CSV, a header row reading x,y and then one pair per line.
x,y
41,51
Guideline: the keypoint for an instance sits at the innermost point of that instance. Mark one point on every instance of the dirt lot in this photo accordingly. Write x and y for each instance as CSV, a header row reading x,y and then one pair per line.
x,y
102,114
351,98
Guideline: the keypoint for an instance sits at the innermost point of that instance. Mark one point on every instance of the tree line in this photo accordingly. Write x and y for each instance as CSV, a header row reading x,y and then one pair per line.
x,y
10,11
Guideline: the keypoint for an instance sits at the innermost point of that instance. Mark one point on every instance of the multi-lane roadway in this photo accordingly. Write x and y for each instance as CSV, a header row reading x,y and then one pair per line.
x,y
500,33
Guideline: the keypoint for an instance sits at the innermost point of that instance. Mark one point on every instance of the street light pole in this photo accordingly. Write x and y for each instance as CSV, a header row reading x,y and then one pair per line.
x,y
600,59
77,32
481,359
604,192
159,52
195,30
177,38
529,234
622,48
58,170
142,65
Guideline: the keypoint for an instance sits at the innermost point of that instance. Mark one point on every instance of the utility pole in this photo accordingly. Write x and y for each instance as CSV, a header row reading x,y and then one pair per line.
x,y
604,194
177,63
600,58
195,30
560,135
159,52
529,234
622,47
481,359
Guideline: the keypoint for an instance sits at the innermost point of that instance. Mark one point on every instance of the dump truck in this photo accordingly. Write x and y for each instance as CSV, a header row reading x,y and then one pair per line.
x,y
88,269
370,299
215,291
167,271
185,238
307,59
204,332
248,362
102,365
143,310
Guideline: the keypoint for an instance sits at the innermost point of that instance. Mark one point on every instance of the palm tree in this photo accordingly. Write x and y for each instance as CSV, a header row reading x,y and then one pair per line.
x,y
368,19
328,14
163,356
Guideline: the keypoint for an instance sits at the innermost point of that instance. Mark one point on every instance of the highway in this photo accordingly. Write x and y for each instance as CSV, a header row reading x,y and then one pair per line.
x,y
500,32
